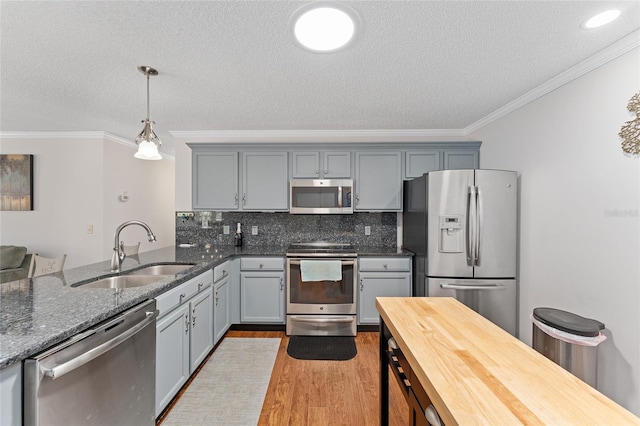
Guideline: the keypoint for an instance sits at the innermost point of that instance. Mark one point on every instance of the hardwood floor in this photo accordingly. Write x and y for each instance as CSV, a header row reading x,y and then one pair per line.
x,y
327,392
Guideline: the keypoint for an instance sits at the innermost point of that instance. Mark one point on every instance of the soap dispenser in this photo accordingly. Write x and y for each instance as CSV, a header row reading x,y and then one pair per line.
x,y
238,236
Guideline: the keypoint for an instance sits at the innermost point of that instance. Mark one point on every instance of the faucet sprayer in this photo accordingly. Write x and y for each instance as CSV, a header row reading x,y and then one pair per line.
x,y
118,254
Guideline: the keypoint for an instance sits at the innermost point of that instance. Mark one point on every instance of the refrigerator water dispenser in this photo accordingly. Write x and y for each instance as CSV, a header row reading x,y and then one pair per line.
x,y
451,235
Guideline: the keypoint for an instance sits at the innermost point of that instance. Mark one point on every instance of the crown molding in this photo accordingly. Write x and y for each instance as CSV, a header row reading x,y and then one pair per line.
x,y
325,136
76,135
608,54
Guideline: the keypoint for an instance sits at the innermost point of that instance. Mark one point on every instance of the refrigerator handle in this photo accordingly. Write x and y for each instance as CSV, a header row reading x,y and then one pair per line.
x,y
480,220
471,226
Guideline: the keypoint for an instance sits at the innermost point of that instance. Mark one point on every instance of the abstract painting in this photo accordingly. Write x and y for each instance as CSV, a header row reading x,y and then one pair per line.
x,y
16,182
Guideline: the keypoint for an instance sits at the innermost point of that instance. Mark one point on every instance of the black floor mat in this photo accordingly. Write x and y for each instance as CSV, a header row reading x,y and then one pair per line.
x,y
333,348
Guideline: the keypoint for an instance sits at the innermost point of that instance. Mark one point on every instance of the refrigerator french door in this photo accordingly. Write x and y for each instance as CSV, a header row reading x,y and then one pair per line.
x,y
461,225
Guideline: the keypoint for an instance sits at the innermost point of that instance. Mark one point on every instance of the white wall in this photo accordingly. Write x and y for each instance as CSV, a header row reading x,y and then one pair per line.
x,y
579,212
75,185
150,186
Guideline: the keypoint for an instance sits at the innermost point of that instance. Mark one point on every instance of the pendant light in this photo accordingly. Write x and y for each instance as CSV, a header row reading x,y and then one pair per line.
x,y
148,142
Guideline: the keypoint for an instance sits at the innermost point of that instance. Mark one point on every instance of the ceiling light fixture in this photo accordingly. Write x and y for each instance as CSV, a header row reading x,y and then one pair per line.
x,y
601,19
324,26
148,142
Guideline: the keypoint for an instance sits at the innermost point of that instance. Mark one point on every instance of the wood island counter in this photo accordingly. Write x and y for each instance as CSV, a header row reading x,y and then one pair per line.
x,y
473,372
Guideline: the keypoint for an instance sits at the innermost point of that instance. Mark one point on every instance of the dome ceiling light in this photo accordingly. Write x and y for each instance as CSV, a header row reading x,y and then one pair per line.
x,y
148,142
324,27
601,19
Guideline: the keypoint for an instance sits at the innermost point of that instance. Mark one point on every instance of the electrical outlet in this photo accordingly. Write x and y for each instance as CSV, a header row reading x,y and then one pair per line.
x,y
254,230
367,230
225,230
205,224
89,229
218,216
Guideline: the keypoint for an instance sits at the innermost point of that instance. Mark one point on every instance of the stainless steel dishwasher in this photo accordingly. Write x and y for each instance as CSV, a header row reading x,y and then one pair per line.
x,y
103,376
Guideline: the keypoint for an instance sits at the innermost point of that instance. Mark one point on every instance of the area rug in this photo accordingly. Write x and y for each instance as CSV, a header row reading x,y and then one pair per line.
x,y
230,388
332,348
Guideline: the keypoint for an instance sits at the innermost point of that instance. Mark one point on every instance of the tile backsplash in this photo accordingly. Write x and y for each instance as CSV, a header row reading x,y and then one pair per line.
x,y
284,228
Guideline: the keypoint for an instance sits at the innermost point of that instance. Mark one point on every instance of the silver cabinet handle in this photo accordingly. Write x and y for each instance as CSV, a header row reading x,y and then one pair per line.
x,y
261,265
193,317
92,354
182,296
216,297
224,273
317,172
186,323
281,284
326,172
200,285
357,198
244,199
385,266
361,285
235,198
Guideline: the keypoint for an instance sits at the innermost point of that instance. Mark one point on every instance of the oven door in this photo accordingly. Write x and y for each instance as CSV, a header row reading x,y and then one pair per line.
x,y
321,297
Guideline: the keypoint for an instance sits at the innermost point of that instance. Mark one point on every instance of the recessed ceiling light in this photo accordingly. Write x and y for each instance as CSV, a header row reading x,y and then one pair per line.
x,y
324,26
601,19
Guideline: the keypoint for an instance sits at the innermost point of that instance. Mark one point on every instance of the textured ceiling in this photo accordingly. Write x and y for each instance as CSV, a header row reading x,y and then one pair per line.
x,y
231,65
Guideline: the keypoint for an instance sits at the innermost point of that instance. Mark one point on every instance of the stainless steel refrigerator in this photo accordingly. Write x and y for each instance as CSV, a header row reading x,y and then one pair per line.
x,y
461,225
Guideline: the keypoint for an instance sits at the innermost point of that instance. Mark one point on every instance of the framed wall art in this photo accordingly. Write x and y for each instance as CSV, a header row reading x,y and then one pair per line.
x,y
16,182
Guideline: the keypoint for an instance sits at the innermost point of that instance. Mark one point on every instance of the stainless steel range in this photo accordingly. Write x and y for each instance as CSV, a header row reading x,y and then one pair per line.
x,y
321,289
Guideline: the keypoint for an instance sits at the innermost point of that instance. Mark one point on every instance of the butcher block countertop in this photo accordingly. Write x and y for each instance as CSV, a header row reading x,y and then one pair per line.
x,y
476,373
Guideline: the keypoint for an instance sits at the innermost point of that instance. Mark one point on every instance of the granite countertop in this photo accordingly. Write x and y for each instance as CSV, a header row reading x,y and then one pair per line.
x,y
38,313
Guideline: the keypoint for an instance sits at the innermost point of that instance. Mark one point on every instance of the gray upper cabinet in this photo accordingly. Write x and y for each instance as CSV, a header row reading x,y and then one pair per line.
x,y
417,163
321,165
378,181
461,159
265,181
215,180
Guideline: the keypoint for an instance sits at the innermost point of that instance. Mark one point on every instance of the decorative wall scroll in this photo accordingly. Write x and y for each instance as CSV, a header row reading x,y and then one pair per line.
x,y
16,182
630,131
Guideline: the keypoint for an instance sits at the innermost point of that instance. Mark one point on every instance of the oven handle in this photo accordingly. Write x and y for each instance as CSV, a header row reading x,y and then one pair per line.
x,y
343,262
341,320
92,354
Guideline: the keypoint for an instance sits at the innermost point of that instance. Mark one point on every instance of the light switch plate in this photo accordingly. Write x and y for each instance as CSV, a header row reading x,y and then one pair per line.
x,y
225,229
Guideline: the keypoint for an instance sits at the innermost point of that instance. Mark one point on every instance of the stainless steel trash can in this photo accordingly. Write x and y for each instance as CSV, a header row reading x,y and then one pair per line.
x,y
569,340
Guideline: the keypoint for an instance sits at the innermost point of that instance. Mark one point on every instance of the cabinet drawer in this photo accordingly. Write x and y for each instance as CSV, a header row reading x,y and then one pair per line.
x,y
221,271
262,264
174,297
383,264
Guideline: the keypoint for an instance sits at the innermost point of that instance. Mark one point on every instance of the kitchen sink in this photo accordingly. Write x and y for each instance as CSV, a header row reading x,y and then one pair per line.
x,y
167,269
123,281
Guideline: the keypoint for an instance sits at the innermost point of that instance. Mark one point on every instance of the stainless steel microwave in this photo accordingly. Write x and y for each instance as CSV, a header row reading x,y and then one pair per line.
x,y
320,196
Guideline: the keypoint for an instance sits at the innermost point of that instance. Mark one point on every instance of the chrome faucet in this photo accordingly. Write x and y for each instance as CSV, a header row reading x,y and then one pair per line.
x,y
118,253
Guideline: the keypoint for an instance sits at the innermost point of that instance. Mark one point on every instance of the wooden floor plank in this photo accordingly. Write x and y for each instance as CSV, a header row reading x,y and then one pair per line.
x,y
310,393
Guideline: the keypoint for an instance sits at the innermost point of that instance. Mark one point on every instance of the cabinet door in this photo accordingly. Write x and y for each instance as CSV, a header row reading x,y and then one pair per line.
x,y
374,285
262,297
305,164
215,180
265,181
417,163
378,181
336,165
172,355
201,311
11,395
222,318
461,159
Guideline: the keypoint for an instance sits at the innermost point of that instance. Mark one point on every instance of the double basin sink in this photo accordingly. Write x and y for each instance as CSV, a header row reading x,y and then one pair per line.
x,y
138,277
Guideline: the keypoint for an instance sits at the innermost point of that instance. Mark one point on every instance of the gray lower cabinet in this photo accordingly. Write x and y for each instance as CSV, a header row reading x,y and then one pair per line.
x,y
262,292
221,300
381,277
184,335
11,395
378,181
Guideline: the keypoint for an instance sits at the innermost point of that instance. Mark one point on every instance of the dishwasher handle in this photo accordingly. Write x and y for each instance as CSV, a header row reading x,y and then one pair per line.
x,y
72,364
